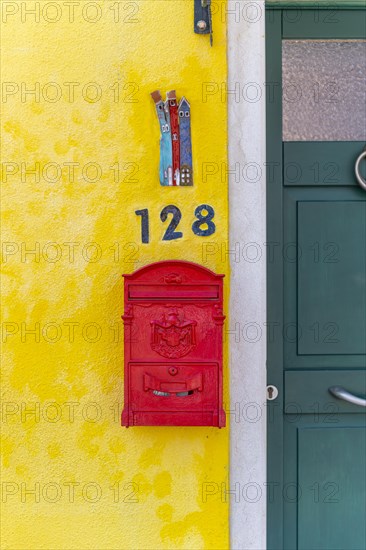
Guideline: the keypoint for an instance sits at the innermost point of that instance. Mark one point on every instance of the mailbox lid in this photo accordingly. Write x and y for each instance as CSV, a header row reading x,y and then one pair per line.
x,y
173,280
172,387
181,292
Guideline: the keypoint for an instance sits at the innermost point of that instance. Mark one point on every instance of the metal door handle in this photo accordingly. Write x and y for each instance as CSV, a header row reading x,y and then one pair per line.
x,y
360,179
342,393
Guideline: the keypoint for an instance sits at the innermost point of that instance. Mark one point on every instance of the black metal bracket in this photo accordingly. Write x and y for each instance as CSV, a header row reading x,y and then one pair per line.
x,y
202,17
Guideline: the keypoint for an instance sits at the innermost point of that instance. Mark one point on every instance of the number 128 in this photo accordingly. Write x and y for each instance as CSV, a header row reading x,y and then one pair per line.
x,y
171,234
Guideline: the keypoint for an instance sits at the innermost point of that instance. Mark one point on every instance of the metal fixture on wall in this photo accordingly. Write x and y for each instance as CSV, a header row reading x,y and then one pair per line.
x,y
203,18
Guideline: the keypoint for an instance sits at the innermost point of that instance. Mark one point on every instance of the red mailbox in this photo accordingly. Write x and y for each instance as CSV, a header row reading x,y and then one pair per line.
x,y
173,323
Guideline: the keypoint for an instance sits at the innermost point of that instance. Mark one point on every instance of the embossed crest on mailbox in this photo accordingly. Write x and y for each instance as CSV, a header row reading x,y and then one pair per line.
x,y
173,323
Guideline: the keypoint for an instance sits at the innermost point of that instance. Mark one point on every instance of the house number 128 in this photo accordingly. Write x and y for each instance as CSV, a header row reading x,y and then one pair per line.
x,y
203,226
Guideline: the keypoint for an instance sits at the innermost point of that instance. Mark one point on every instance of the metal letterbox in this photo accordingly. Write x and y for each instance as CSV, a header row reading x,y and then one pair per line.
x,y
173,323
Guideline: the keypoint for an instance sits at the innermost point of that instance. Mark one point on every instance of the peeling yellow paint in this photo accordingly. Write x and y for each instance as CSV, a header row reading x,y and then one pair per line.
x,y
73,478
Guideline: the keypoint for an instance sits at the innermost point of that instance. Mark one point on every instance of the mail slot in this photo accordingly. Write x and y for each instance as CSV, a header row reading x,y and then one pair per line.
x,y
173,322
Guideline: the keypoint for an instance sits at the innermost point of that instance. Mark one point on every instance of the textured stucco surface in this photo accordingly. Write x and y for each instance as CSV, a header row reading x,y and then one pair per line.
x,y
71,450
246,55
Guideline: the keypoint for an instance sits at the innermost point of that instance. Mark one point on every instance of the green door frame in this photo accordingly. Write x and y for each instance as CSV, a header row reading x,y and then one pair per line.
x,y
276,30
313,4
274,275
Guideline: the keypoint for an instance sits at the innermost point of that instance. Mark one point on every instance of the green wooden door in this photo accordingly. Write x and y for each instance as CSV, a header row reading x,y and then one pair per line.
x,y
316,128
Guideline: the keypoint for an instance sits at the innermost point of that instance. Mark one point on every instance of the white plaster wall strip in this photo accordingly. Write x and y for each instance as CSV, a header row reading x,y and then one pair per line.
x,y
247,202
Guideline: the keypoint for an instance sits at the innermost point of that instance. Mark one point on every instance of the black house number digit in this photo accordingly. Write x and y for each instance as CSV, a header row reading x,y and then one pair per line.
x,y
170,234
204,219
144,224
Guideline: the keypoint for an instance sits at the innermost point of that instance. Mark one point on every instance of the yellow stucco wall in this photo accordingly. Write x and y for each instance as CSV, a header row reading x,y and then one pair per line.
x,y
96,484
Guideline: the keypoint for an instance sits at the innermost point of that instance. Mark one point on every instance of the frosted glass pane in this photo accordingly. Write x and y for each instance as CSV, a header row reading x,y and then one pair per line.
x,y
324,90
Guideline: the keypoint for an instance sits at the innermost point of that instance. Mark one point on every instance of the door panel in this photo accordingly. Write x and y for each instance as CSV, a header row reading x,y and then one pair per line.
x,y
332,506
323,489
306,392
331,291
325,163
317,284
330,22
324,262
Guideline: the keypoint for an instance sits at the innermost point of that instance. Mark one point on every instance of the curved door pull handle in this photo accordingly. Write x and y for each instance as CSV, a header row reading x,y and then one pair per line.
x,y
360,179
342,393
